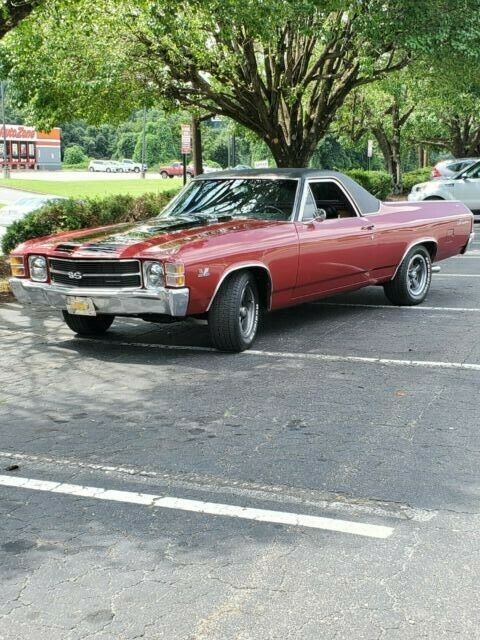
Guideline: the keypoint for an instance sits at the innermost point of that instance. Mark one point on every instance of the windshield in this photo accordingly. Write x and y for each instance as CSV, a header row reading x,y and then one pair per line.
x,y
236,197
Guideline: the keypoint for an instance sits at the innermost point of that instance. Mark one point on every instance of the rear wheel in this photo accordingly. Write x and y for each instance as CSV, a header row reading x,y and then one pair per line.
x,y
164,174
234,314
412,281
88,325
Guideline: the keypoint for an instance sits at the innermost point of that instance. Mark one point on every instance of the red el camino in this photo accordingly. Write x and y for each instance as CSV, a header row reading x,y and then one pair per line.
x,y
236,243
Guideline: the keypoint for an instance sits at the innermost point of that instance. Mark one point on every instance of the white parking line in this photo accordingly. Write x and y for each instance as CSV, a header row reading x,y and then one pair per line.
x,y
457,275
391,307
198,506
321,357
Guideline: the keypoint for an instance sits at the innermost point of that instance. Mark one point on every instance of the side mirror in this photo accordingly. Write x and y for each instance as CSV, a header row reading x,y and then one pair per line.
x,y
320,215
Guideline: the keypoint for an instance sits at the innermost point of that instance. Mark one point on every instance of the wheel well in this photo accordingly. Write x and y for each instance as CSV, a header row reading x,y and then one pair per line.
x,y
262,279
434,198
431,247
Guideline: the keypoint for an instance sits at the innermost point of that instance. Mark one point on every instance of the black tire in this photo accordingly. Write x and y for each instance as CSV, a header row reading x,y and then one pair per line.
x,y
91,169
164,174
137,169
411,284
88,325
235,312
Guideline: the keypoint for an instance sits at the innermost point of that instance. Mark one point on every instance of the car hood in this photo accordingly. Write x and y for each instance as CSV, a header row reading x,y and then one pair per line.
x,y
152,239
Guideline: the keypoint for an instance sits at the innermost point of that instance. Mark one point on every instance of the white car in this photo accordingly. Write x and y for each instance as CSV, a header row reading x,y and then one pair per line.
x,y
110,166
464,187
130,165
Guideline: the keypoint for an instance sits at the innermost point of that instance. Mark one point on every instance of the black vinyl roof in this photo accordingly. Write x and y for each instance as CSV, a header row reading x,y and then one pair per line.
x,y
364,200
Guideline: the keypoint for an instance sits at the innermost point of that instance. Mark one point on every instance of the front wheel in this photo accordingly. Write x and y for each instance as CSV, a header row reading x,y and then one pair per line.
x,y
234,314
412,281
88,325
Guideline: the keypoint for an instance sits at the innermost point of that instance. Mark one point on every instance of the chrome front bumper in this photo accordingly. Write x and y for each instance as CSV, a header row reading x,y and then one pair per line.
x,y
172,302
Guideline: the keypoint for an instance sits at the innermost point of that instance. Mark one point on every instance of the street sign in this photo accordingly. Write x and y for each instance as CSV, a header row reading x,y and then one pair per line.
x,y
186,138
261,164
370,149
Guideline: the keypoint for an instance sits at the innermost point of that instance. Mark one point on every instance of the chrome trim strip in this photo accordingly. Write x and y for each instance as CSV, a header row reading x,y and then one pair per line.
x,y
410,246
99,275
93,260
240,267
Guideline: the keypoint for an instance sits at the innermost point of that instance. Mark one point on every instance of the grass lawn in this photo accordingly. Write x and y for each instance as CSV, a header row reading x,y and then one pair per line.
x,y
92,188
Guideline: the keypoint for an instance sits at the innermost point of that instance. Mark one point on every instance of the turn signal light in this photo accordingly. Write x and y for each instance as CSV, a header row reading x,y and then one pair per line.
x,y
174,274
17,266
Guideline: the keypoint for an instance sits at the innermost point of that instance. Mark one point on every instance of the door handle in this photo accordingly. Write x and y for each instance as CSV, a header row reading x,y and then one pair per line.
x,y
369,227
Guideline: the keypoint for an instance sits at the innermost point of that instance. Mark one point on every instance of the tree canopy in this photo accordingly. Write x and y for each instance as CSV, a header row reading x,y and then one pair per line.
x,y
282,68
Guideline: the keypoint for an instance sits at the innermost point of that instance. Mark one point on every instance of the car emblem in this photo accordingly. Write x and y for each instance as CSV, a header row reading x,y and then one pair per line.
x,y
204,272
75,275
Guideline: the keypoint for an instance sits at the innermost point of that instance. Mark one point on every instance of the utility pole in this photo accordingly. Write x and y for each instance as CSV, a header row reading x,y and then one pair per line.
x,y
144,146
6,172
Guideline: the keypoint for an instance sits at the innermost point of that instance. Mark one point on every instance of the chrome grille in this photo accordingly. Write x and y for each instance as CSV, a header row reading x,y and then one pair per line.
x,y
117,274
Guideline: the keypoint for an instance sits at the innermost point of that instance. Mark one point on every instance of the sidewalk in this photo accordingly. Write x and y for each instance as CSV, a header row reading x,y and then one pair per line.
x,y
8,197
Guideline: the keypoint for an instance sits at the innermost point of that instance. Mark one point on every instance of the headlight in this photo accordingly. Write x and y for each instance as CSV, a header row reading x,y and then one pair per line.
x,y
153,275
38,268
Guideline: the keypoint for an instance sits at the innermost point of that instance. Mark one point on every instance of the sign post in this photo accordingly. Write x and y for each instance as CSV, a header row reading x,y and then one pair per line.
x,y
186,147
369,152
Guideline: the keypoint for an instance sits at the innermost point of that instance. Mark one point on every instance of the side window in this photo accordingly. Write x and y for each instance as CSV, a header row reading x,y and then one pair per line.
x,y
472,172
329,196
310,208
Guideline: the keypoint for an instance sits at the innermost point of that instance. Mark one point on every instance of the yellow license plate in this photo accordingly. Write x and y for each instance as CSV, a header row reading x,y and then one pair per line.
x,y
80,306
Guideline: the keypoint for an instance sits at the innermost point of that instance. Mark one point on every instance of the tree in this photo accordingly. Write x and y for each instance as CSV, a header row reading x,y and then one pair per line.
x,y
282,68
14,11
74,155
383,110
449,115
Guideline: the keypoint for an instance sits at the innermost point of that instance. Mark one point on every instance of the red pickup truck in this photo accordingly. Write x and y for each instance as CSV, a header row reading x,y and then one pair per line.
x,y
234,244
175,169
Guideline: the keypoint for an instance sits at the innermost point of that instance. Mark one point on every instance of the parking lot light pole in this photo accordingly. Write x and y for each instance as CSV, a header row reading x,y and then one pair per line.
x,y
6,172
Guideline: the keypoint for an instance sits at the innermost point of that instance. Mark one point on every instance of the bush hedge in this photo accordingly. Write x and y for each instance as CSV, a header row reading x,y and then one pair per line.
x,y
410,178
71,214
378,183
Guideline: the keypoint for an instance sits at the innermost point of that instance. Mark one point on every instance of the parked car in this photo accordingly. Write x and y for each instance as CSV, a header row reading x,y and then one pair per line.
x,y
19,208
130,165
175,169
235,243
464,187
110,166
449,168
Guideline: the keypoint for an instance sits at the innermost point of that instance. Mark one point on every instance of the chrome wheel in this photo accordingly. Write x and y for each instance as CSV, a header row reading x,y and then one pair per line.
x,y
417,273
248,311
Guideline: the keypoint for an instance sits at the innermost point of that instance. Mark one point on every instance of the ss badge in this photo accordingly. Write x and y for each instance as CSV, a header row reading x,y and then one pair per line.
x,y
204,272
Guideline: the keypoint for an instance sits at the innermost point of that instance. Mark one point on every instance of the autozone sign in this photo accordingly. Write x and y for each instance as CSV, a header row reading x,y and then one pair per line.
x,y
19,132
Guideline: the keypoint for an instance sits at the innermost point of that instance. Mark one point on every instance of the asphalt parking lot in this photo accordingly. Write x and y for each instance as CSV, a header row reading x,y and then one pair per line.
x,y
323,485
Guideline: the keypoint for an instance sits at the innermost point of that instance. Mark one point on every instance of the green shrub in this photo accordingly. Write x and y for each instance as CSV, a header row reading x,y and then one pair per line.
x,y
71,214
378,183
410,178
74,155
